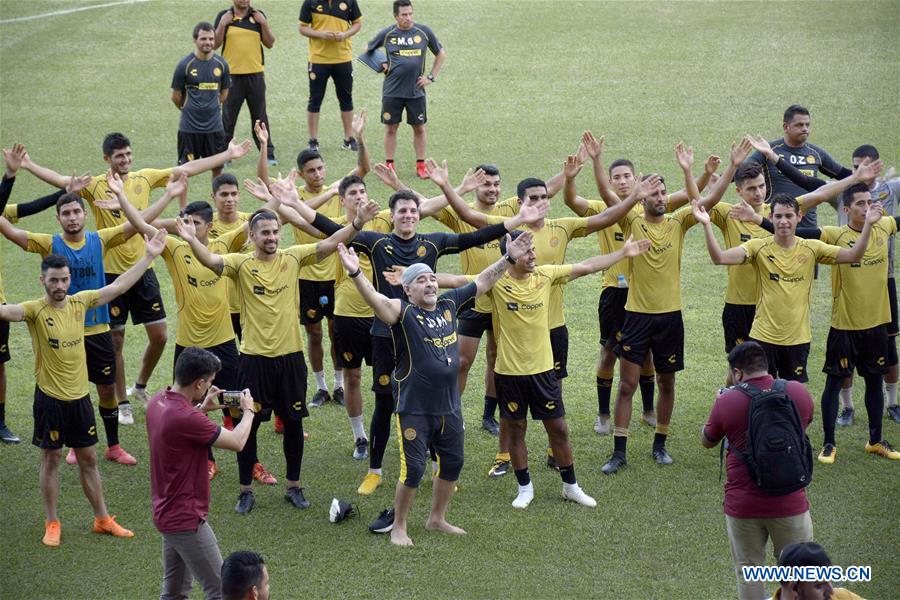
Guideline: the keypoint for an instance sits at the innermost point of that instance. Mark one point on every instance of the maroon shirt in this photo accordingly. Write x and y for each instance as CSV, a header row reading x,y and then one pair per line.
x,y
179,437
730,418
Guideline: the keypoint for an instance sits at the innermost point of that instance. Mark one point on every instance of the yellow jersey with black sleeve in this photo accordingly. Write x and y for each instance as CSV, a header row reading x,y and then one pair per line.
x,y
521,320
348,302
220,228
330,15
612,239
742,286
550,243
203,316
859,290
138,186
242,46
655,285
270,299
784,277
57,337
327,269
475,260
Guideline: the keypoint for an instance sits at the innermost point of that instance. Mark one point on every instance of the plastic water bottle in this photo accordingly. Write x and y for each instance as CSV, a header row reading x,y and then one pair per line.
x,y
620,282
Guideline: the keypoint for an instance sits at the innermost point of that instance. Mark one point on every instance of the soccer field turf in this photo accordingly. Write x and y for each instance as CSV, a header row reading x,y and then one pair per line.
x,y
521,82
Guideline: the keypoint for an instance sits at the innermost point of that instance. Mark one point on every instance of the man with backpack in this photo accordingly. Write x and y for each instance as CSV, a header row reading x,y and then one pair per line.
x,y
769,460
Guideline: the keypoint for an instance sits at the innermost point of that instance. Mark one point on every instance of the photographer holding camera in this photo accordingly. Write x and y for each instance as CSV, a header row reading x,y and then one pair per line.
x,y
180,435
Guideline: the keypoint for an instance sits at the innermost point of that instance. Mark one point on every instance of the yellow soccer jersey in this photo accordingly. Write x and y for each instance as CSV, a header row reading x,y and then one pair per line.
x,y
42,243
859,290
137,189
522,320
270,299
218,229
784,277
655,285
612,239
742,287
474,260
57,336
327,269
328,15
203,316
550,243
348,302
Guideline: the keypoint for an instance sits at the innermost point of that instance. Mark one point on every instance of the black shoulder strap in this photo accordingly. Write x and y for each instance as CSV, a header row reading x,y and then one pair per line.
x,y
751,390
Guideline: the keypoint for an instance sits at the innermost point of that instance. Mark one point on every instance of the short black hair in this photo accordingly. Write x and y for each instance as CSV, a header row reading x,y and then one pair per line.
x,y
399,3
621,162
512,235
529,182
195,363
66,199
748,170
347,181
114,141
856,188
262,214
241,571
203,26
307,155
54,261
402,195
866,151
224,179
200,208
794,110
785,200
748,357
489,169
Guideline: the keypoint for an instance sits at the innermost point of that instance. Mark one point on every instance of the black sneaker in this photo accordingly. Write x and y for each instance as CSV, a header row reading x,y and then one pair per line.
x,y
845,419
499,468
350,144
490,425
339,396
894,413
294,495
615,462
361,451
551,462
384,523
661,456
245,503
313,144
320,398
7,436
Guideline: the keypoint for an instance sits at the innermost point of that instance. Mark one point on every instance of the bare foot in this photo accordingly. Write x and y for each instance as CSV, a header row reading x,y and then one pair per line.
x,y
399,538
444,527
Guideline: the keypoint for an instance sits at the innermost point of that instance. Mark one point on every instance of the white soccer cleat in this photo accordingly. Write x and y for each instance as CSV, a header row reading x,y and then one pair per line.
x,y
126,415
602,426
526,495
575,494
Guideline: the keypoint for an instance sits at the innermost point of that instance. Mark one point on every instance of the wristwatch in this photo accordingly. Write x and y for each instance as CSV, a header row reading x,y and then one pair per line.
x,y
430,77
509,259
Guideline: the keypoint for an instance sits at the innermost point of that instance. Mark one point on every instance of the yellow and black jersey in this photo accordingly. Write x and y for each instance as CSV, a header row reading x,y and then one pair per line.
x,y
742,287
242,46
220,228
327,269
550,243
330,15
611,239
348,302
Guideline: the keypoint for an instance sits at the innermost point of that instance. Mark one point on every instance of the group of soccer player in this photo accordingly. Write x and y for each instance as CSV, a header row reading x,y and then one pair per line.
x,y
379,301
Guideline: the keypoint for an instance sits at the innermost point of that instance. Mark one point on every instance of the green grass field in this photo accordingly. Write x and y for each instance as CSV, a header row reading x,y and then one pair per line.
x,y
521,82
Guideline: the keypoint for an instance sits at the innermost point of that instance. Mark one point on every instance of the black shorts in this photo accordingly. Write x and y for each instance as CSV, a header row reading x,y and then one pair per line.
x,y
143,301
864,349
662,334
611,311
737,319
559,343
382,364
787,362
473,324
541,393
392,109
58,422
316,301
236,324
892,327
353,341
341,73
416,433
192,146
4,342
277,384
892,351
228,377
101,358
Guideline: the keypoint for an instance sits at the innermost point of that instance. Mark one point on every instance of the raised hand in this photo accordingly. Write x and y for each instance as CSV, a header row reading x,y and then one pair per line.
x,y
439,174
519,246
742,212
177,185
740,152
185,229
359,124
262,134
592,146
572,166
875,212
632,248
14,158
471,181
366,210
712,164
78,183
762,146
155,245
258,189
645,187
868,169
533,213
113,181
238,150
387,175
348,258
699,212
685,156
394,274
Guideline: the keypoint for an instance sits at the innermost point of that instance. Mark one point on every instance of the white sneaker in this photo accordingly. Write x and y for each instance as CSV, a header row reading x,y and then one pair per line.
x,y
601,425
526,495
141,396
575,494
126,415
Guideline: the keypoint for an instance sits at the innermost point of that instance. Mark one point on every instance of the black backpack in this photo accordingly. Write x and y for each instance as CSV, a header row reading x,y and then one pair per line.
x,y
778,453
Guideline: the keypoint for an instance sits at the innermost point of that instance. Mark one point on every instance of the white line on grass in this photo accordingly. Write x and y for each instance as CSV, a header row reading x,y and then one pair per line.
x,y
67,11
